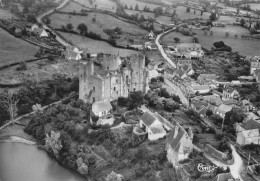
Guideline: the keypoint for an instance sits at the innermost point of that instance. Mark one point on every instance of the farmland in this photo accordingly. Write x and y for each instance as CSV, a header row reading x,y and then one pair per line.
x,y
95,46
169,38
103,21
244,47
73,6
183,15
101,4
14,50
253,6
141,5
161,19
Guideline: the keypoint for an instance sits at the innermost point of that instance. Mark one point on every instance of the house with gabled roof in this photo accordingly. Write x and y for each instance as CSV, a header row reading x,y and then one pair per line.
x,y
40,32
206,78
151,35
201,89
152,125
102,110
178,145
222,110
230,93
71,55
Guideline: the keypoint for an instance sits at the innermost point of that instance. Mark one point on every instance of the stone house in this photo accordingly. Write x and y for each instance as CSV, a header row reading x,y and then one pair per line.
x,y
40,32
248,132
101,108
152,126
201,89
151,35
230,93
189,50
206,78
254,66
178,144
71,55
117,78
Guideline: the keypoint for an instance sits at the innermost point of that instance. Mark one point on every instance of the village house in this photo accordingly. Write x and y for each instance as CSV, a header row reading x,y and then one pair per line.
x,y
137,47
206,78
187,68
213,99
201,89
150,45
152,125
189,50
230,93
254,66
40,32
248,132
71,55
34,26
151,35
117,78
179,144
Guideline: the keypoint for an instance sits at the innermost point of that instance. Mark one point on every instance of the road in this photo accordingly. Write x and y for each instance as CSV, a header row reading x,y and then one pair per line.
x,y
173,89
40,17
160,48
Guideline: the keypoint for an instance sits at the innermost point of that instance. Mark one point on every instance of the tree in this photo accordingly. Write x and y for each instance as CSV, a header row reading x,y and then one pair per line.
x,y
205,32
201,13
126,6
9,103
194,11
227,34
53,143
69,26
114,177
188,9
158,11
136,7
242,22
211,33
195,39
131,7
236,36
93,19
213,16
82,28
209,112
177,39
136,99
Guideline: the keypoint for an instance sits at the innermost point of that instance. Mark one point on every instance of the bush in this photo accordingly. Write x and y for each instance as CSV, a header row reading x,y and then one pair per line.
x,y
122,101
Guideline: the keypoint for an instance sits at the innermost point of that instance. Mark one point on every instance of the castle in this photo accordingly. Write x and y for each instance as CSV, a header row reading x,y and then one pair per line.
x,y
117,77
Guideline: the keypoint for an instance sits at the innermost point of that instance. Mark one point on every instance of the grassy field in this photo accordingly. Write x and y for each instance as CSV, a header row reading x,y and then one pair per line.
x,y
101,4
161,19
244,47
94,46
253,6
73,6
169,38
14,50
130,31
5,14
183,15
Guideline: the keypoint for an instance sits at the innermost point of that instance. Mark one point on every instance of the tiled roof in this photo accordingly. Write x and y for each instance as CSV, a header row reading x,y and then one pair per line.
x,y
200,87
224,108
251,124
251,133
157,129
207,76
175,142
229,89
148,118
101,106
223,177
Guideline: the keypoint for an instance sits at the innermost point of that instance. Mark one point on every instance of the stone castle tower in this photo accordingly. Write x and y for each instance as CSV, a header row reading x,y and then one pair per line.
x,y
116,79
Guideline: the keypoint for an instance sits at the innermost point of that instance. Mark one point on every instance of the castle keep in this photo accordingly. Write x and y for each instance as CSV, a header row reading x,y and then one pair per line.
x,y
117,77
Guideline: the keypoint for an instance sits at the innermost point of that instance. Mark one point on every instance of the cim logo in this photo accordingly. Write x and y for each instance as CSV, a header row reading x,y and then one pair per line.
x,y
203,168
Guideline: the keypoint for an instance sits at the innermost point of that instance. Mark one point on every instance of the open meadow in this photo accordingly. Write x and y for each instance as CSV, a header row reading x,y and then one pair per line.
x,y
141,5
14,49
101,4
95,46
103,21
183,15
169,38
73,6
244,47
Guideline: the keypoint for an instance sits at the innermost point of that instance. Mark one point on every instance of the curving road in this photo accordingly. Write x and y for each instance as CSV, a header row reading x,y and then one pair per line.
x,y
160,48
40,17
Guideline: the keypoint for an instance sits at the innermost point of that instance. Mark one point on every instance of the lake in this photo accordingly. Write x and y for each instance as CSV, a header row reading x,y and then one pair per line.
x,y
21,162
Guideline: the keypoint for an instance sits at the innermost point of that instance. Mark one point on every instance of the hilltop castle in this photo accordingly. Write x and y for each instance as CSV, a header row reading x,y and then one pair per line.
x,y
117,78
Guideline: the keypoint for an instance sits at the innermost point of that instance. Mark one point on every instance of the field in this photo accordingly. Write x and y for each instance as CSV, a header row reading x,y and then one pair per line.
x,y
101,4
169,38
244,47
95,46
72,6
5,14
103,21
161,19
141,5
254,6
14,50
183,15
